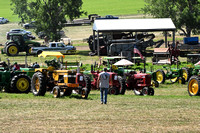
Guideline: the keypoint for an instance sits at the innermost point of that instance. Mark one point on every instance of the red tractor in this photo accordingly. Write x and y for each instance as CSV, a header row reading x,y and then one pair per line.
x,y
116,83
140,83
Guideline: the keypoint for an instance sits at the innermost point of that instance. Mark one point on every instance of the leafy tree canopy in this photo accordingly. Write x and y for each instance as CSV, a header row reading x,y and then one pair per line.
x,y
48,14
184,13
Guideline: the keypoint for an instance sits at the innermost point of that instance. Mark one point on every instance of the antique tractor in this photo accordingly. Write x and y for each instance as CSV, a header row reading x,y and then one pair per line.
x,y
191,71
116,83
194,80
140,83
173,74
15,81
61,82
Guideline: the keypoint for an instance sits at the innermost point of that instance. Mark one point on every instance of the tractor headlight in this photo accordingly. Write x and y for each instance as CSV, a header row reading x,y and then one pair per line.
x,y
80,78
115,77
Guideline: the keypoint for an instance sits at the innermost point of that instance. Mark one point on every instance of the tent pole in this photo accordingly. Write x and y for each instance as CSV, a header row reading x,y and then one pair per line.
x,y
165,39
98,43
174,38
93,40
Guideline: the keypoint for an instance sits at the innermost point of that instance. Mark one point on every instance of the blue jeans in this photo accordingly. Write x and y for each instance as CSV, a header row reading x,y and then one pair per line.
x,y
104,92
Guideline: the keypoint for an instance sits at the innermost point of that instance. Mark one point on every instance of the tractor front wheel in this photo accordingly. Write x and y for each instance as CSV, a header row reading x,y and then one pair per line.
x,y
186,73
151,91
194,86
181,80
38,85
21,83
113,91
145,91
56,92
160,76
12,50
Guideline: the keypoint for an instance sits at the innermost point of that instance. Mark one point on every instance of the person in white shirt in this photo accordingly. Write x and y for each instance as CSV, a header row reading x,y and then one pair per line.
x,y
103,84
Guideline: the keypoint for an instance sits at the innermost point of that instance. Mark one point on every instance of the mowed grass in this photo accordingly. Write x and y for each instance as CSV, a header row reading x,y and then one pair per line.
x,y
5,11
170,110
101,7
112,7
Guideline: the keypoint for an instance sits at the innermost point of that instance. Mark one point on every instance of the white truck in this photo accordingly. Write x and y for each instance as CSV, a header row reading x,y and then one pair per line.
x,y
55,46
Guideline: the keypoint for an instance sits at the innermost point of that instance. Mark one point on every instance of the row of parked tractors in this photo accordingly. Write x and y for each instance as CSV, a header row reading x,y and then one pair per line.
x,y
62,82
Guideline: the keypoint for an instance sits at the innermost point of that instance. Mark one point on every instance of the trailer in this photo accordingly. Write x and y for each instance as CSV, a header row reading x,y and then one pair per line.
x,y
189,45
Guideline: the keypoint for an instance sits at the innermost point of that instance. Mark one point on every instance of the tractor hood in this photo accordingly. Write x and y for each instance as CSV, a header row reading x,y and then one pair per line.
x,y
141,75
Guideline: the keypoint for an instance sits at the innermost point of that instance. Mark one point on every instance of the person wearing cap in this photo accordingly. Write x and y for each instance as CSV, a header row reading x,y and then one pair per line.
x,y
103,84
16,67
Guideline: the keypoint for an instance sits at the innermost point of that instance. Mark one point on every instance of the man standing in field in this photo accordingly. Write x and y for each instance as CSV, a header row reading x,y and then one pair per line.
x,y
103,84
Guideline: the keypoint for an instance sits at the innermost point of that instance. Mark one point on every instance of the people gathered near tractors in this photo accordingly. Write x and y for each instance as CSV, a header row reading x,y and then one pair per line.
x,y
16,67
103,84
36,65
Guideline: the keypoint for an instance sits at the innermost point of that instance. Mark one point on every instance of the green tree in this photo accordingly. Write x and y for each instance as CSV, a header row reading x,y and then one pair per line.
x,y
19,7
184,13
51,14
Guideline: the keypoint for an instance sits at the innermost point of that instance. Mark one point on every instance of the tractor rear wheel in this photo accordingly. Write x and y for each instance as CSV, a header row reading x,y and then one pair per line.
x,y
194,86
56,92
113,91
21,83
160,76
38,85
28,51
86,90
186,74
122,85
12,50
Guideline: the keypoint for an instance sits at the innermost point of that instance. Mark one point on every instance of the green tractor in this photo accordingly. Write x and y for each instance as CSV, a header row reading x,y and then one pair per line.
x,y
193,76
173,74
18,42
191,71
15,81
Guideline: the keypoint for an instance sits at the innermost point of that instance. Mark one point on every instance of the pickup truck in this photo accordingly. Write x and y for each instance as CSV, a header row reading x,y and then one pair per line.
x,y
54,46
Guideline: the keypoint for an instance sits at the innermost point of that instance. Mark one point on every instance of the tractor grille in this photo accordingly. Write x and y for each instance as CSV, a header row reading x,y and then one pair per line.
x,y
72,78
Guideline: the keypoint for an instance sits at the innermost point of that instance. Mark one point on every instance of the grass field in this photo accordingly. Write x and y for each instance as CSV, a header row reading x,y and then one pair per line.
x,y
170,110
102,7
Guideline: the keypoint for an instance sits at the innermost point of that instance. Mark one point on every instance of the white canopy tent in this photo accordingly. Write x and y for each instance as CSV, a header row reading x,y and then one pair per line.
x,y
133,25
123,62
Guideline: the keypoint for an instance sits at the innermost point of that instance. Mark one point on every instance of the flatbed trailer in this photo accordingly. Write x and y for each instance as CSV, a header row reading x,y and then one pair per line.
x,y
188,48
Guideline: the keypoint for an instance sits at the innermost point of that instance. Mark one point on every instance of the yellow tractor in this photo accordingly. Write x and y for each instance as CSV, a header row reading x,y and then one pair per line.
x,y
59,82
